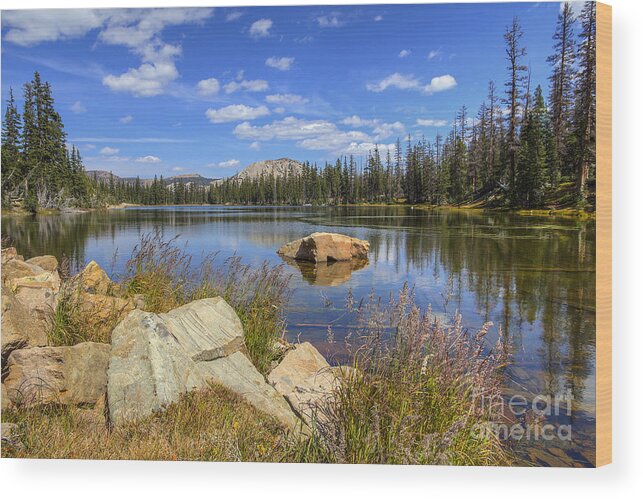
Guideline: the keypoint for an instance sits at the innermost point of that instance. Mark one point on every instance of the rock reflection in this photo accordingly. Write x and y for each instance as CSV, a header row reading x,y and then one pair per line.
x,y
327,273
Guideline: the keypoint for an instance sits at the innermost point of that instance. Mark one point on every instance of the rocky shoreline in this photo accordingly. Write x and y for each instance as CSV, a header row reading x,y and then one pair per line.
x,y
151,359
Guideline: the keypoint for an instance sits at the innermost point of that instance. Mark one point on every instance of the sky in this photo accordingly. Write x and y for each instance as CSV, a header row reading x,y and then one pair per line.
x,y
209,91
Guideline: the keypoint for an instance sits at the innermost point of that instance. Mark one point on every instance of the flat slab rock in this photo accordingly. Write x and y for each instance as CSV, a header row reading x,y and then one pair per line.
x,y
70,375
157,357
305,379
20,328
324,247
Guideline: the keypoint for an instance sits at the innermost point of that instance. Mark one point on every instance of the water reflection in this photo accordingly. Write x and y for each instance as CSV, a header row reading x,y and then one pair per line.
x,y
326,273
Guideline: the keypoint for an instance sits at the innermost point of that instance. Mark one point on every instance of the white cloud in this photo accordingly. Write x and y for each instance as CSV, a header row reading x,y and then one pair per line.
x,y
233,16
385,130
148,159
314,135
397,80
139,30
430,122
357,122
126,119
433,54
109,151
231,163
409,82
288,99
178,169
279,110
78,107
260,28
208,87
236,112
440,84
30,27
331,20
377,18
249,85
280,63
255,145
404,53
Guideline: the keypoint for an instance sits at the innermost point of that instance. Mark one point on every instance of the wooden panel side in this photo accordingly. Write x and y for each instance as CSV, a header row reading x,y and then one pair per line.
x,y
603,234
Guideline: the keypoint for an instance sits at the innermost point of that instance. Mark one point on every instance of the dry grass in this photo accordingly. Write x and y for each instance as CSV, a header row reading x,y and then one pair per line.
x,y
413,396
208,425
75,320
163,272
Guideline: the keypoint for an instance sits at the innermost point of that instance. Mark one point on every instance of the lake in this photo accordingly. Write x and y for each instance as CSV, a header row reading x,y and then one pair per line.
x,y
533,276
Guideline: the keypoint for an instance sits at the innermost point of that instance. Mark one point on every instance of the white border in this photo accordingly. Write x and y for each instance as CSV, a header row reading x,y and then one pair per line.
x,y
98,479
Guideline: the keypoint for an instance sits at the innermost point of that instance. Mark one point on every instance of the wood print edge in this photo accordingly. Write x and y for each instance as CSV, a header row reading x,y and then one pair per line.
x,y
603,234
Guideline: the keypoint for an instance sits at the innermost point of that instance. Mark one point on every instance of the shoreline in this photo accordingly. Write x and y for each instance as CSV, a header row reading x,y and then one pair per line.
x,y
561,212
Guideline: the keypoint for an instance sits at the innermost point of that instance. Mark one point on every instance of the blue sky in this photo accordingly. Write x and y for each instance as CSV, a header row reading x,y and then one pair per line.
x,y
169,91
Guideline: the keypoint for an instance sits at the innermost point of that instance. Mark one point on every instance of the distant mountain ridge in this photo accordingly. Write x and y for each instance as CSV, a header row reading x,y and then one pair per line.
x,y
278,167
187,178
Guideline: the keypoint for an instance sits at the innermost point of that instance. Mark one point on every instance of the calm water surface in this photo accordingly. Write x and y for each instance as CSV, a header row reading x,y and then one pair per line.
x,y
532,276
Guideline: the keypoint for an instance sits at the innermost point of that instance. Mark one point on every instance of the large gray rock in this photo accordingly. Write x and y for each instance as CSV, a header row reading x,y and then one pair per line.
x,y
305,379
75,375
148,369
157,357
206,329
20,328
325,246
236,373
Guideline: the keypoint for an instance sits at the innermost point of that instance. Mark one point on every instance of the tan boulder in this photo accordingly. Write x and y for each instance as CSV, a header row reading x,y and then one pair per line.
x,y
9,254
20,328
6,403
93,279
17,269
45,280
101,309
324,247
47,262
75,375
38,296
305,379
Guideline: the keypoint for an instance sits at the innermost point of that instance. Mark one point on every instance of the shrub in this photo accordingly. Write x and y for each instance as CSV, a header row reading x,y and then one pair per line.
x,y
413,393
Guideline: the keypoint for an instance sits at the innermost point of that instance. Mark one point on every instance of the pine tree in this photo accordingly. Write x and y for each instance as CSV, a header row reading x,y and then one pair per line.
x,y
11,143
514,86
534,155
561,94
585,106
